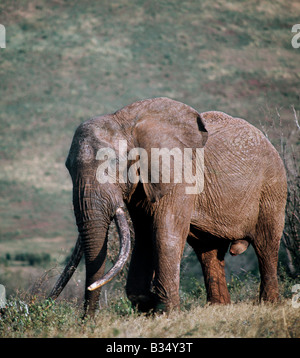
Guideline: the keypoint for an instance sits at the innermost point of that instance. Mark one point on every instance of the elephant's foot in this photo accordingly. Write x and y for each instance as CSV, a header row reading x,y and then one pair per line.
x,y
217,291
269,289
272,297
221,299
167,307
151,303
142,302
166,301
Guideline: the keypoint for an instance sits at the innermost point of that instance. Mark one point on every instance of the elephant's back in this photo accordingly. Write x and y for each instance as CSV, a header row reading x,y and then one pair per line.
x,y
236,133
234,146
239,161
239,143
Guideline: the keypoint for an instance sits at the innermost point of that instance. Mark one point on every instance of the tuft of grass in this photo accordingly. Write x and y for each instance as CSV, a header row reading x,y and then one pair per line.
x,y
23,318
31,315
47,318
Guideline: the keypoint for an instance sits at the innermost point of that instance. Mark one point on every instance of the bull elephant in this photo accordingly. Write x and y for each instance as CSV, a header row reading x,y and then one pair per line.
x,y
242,201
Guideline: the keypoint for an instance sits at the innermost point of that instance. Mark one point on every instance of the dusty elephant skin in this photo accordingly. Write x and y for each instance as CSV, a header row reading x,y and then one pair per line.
x,y
243,202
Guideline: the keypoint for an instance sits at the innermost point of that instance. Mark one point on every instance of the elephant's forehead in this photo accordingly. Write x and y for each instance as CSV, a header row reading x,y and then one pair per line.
x,y
99,130
86,152
106,137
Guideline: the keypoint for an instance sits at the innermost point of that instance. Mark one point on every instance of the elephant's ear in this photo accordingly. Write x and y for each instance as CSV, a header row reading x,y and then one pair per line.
x,y
171,136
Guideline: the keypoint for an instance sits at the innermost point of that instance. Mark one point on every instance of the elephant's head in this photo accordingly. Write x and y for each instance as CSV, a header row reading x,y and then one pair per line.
x,y
99,190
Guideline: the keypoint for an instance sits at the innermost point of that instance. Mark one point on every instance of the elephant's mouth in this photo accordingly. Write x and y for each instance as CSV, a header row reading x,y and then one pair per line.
x,y
124,237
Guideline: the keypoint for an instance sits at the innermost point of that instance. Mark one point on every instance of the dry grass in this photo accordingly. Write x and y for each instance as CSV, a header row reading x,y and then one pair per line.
x,y
242,320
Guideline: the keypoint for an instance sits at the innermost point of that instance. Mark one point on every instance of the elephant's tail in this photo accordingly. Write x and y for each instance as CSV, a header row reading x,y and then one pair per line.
x,y
68,271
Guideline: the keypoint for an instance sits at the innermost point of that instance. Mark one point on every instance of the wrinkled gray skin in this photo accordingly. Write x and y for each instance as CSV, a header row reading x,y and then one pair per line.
x,y
243,202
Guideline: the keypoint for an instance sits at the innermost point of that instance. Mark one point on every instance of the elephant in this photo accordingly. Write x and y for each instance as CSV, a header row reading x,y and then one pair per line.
x,y
241,202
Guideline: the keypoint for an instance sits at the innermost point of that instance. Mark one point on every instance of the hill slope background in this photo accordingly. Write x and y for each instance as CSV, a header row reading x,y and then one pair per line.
x,y
66,62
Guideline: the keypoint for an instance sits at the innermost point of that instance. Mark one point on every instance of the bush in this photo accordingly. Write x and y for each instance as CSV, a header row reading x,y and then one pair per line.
x,y
39,259
30,317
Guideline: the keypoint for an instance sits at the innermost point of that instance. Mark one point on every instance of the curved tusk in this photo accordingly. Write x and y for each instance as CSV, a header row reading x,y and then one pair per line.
x,y
68,271
124,236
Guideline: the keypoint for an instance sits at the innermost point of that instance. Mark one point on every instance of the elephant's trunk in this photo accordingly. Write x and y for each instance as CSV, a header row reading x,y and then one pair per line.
x,y
124,236
94,208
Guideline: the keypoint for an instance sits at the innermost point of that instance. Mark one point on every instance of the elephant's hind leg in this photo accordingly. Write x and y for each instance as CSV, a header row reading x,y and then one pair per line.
x,y
266,247
211,252
266,243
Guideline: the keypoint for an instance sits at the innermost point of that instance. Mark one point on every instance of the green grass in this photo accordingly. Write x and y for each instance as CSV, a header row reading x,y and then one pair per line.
x,y
30,315
65,63
35,318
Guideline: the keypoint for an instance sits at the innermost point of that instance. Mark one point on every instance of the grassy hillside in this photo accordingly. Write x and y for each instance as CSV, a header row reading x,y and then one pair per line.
x,y
65,62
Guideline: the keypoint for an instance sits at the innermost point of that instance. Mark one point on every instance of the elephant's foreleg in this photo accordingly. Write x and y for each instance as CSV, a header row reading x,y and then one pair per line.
x,y
211,256
167,271
171,227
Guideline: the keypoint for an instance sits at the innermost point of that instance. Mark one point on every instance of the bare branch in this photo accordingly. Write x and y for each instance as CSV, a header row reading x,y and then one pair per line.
x,y
296,117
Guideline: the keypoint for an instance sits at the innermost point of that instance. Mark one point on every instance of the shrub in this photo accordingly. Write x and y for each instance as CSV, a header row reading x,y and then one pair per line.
x,y
38,259
32,317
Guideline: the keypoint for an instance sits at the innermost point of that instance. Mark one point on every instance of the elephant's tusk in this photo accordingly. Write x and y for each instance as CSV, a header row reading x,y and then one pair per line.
x,y
124,236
